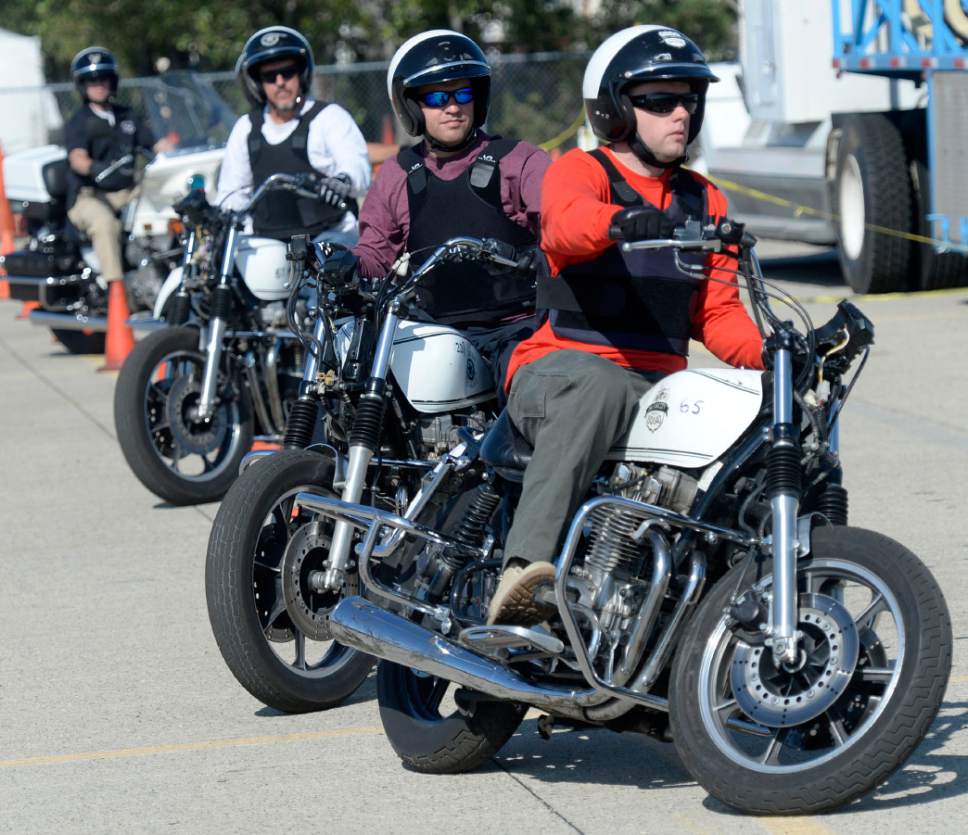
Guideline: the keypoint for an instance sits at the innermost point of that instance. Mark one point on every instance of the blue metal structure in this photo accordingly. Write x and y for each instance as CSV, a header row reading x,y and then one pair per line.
x,y
900,38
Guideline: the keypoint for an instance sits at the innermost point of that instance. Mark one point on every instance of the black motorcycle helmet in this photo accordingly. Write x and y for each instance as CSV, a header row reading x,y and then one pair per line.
x,y
633,55
94,62
269,44
432,57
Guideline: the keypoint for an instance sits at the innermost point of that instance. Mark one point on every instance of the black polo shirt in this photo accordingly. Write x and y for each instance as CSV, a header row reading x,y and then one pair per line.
x,y
105,142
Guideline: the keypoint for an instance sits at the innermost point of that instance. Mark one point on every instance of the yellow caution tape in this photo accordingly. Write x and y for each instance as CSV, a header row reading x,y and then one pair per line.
x,y
798,210
566,134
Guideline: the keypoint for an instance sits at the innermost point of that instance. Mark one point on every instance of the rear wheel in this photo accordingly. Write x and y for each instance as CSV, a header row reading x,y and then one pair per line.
x,y
871,198
437,729
875,656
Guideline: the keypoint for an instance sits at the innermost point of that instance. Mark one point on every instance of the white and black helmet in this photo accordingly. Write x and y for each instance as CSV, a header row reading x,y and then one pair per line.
x,y
434,57
94,62
270,44
633,55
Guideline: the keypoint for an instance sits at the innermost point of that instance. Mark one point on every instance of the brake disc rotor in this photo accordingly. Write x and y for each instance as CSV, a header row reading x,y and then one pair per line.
x,y
194,436
308,609
780,696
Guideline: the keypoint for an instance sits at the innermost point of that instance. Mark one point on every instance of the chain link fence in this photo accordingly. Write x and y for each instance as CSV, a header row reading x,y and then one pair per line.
x,y
533,96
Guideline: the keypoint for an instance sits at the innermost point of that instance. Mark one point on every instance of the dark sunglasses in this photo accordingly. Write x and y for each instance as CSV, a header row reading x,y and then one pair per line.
x,y
98,78
440,98
269,76
665,103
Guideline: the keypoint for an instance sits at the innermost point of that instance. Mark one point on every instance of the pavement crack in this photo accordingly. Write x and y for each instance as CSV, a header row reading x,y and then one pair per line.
x,y
536,796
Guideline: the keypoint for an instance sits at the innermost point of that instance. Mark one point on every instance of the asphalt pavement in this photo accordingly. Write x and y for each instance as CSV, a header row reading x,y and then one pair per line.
x,y
117,713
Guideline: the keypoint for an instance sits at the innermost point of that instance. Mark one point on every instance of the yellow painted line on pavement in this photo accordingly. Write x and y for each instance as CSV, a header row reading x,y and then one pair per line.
x,y
203,745
833,298
794,826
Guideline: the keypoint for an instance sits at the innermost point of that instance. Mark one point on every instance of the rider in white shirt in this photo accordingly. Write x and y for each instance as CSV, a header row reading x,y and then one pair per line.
x,y
296,134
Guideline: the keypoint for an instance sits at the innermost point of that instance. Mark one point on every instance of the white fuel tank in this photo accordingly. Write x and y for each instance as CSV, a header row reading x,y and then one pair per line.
x,y
436,366
264,268
690,418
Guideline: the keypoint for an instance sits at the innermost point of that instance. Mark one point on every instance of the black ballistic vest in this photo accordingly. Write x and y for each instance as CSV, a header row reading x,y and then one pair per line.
x,y
281,214
465,293
636,300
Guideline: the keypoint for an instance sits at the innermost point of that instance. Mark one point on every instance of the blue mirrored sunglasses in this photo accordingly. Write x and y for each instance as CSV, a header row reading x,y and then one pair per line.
x,y
440,98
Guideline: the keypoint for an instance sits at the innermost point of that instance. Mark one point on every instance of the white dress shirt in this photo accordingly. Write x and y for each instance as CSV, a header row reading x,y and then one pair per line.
x,y
334,146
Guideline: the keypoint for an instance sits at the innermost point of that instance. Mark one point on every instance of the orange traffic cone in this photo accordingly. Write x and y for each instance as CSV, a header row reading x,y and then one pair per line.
x,y
264,446
6,230
25,310
120,338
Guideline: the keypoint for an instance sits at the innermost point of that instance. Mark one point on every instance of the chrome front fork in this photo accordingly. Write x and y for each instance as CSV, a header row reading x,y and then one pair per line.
x,y
363,445
221,308
783,482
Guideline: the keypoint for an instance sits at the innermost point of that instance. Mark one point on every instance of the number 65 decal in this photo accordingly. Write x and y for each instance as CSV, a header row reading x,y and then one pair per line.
x,y
691,408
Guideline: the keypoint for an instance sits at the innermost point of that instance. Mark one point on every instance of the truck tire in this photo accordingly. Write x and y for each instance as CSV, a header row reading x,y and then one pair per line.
x,y
932,270
871,192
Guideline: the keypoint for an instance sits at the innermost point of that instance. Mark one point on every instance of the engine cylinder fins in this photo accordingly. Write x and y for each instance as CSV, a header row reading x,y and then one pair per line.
x,y
610,542
301,423
778,696
832,503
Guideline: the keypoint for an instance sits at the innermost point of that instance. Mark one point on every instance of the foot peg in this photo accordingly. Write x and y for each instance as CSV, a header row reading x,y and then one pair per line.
x,y
511,642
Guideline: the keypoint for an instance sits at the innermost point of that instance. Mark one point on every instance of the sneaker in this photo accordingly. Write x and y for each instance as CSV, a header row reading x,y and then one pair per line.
x,y
513,603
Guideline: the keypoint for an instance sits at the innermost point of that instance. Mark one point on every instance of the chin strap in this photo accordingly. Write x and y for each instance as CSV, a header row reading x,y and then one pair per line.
x,y
458,146
640,149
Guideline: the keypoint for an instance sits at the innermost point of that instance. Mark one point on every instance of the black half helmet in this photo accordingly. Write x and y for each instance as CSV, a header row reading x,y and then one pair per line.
x,y
94,62
434,57
270,44
640,53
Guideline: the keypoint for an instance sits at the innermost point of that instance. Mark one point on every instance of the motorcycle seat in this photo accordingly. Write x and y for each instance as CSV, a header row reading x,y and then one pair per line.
x,y
505,449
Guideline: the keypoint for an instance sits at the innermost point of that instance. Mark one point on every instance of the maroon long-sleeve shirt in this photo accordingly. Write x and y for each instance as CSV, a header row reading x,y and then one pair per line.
x,y
385,215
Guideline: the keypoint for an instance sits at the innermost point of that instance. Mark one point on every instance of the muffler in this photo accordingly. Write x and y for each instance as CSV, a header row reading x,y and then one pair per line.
x,y
361,625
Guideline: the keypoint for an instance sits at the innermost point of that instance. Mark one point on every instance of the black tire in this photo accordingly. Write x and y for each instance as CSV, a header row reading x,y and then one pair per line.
x,y
234,576
139,405
932,270
429,742
887,731
872,187
79,342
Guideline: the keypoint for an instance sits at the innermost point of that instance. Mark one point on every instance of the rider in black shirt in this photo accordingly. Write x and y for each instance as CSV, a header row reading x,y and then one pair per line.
x,y
102,138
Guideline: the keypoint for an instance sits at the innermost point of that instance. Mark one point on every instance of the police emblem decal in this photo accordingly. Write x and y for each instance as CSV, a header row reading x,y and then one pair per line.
x,y
270,39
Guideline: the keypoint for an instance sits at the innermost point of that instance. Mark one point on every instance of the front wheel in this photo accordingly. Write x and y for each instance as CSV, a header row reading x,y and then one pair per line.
x,y
875,656
270,625
175,454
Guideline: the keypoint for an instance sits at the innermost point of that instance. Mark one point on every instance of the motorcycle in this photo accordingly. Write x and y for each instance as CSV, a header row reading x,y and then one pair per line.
x,y
192,397
269,623
58,268
708,590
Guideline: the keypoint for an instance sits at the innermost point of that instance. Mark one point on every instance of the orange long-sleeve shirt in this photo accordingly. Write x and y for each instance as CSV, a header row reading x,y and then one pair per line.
x,y
575,216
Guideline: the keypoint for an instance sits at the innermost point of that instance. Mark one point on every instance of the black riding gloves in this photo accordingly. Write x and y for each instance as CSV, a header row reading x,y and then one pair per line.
x,y
641,223
335,190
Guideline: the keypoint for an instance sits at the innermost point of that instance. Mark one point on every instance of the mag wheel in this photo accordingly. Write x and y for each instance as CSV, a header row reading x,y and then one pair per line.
x,y
270,625
874,660
177,456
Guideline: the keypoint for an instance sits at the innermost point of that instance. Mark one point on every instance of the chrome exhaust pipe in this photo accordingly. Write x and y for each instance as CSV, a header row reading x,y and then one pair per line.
x,y
362,626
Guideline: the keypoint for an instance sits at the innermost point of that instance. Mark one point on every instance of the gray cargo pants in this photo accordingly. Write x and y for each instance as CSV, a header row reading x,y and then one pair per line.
x,y
572,406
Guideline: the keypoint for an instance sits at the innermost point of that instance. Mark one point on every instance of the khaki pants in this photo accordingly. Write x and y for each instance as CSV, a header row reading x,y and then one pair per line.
x,y
94,214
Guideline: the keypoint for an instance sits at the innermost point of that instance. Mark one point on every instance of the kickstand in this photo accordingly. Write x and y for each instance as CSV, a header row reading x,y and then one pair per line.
x,y
546,724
